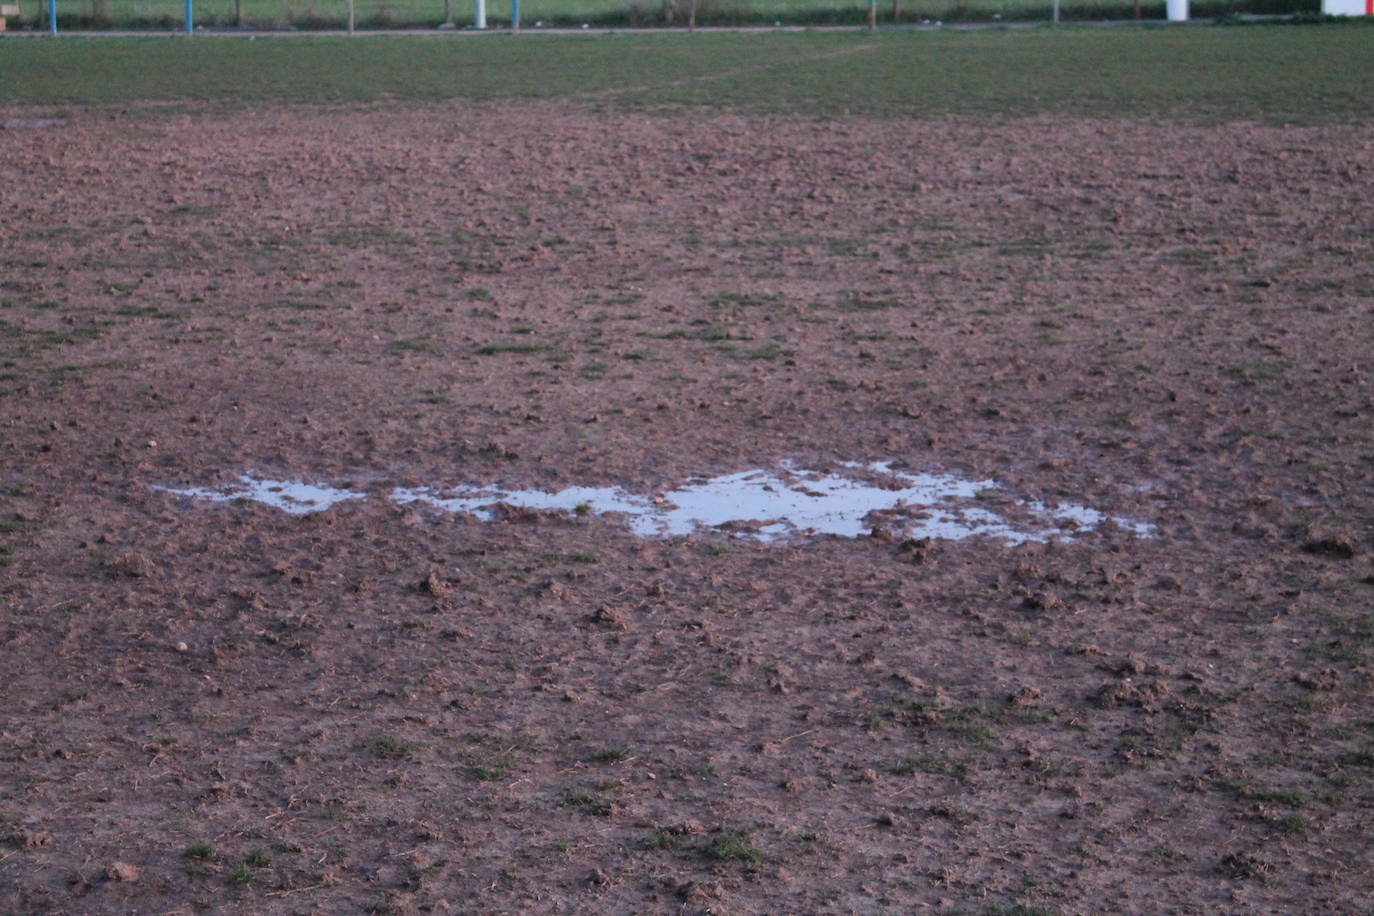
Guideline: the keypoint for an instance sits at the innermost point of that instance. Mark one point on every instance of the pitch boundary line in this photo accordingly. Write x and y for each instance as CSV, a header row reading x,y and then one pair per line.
x,y
711,77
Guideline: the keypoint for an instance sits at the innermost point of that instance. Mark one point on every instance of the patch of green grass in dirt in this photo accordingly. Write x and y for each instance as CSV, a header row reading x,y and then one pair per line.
x,y
1360,758
936,764
861,303
1293,798
150,311
498,348
410,346
614,754
1285,74
663,839
491,760
200,851
598,801
19,341
299,305
955,814
734,846
747,300
389,747
1288,824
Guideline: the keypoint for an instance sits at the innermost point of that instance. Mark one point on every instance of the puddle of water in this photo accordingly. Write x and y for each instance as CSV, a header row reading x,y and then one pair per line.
x,y
292,496
1090,518
482,501
758,504
767,506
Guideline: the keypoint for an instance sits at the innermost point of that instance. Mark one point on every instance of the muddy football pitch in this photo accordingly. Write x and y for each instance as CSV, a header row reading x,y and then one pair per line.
x,y
625,503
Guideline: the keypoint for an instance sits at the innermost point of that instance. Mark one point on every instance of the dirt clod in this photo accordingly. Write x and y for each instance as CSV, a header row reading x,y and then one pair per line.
x,y
434,584
134,565
122,871
1341,545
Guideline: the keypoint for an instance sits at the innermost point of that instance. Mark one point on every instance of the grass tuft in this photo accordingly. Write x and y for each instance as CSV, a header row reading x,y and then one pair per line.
x,y
200,851
734,846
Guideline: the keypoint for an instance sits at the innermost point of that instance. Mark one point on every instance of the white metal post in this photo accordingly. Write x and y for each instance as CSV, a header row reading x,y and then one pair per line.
x,y
481,18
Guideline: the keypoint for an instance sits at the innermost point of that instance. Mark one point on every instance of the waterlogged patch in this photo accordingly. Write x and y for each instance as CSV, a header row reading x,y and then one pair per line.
x,y
758,504
481,501
769,505
292,496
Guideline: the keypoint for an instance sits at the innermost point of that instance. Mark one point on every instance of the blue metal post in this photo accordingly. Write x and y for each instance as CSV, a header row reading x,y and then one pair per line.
x,y
52,17
515,15
188,17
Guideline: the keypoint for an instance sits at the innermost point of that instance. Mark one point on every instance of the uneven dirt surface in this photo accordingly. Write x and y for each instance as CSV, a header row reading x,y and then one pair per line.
x,y
225,707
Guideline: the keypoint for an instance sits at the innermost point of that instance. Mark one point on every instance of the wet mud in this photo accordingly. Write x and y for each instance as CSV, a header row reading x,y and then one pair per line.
x,y
1133,672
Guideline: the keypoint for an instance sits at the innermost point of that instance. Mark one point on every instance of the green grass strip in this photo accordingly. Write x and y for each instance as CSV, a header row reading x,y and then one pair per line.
x,y
1301,74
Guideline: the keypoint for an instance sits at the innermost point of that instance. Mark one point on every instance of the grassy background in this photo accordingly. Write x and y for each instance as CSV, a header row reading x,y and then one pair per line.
x,y
167,14
1272,73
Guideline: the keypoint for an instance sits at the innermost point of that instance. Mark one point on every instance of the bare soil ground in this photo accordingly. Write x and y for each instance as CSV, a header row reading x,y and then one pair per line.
x,y
229,708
